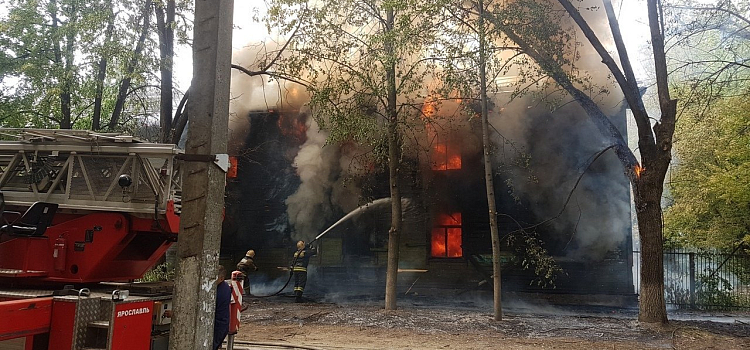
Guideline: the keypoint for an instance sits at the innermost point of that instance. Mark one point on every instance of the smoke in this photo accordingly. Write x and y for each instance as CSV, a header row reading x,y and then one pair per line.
x,y
257,93
310,208
559,144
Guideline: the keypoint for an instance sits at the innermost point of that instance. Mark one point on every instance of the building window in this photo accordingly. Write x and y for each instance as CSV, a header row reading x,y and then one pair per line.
x,y
445,154
445,147
446,236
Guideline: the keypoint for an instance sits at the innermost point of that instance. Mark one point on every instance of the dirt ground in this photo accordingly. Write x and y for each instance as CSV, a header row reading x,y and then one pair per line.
x,y
456,324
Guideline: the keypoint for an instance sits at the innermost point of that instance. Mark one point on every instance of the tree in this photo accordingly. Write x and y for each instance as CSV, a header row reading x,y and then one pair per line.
x,y
709,59
40,40
365,63
710,184
165,24
488,171
540,34
62,72
469,47
708,50
131,65
102,67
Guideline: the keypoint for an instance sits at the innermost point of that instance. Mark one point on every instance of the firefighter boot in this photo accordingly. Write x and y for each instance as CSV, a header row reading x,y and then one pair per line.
x,y
298,297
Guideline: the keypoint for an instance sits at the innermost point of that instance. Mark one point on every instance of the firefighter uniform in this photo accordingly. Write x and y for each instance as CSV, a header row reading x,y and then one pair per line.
x,y
246,265
299,268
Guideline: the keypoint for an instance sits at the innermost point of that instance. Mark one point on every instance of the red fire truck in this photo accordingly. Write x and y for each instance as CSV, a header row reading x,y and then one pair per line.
x,y
84,215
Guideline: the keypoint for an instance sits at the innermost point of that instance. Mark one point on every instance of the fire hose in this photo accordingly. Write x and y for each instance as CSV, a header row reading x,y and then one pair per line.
x,y
295,260
285,284
346,217
245,345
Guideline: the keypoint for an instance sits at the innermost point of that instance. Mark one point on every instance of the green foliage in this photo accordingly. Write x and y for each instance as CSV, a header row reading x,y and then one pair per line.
x,y
161,272
343,49
710,182
53,48
714,290
530,254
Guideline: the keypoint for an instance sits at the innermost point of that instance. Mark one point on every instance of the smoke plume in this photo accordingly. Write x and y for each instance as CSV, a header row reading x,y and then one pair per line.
x,y
310,207
558,141
257,93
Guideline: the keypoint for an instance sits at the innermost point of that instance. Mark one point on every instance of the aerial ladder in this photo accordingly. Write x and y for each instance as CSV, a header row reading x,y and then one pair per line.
x,y
84,215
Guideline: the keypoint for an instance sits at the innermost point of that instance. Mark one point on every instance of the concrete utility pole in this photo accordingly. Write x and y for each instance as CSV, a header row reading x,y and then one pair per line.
x,y
203,181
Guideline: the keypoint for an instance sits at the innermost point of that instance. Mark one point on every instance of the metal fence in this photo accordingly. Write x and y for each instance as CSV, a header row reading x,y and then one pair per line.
x,y
703,279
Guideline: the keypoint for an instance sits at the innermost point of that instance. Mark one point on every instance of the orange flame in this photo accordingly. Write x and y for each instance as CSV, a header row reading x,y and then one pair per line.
x,y
638,170
445,155
292,125
429,108
446,152
232,171
446,236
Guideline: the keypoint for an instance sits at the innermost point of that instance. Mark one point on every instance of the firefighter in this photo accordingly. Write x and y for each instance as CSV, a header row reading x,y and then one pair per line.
x,y
246,265
299,268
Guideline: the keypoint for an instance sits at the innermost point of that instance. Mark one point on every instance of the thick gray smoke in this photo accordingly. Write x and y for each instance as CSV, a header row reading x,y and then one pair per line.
x,y
560,143
560,147
324,190
310,208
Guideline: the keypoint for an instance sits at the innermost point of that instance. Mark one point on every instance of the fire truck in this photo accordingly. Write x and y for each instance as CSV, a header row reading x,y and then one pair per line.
x,y
85,215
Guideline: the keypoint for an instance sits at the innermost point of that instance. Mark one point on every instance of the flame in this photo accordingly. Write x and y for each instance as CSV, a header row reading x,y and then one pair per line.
x,y
429,108
293,125
446,236
445,155
438,242
445,152
638,170
454,161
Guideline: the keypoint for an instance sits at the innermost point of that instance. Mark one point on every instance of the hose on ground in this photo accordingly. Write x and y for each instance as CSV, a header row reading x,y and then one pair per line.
x,y
277,345
285,284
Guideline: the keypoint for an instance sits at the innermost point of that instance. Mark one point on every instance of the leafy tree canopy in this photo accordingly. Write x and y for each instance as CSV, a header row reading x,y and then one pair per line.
x,y
710,183
52,51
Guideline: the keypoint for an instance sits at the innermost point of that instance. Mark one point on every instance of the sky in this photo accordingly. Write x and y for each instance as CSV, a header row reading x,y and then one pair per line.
x,y
245,32
632,16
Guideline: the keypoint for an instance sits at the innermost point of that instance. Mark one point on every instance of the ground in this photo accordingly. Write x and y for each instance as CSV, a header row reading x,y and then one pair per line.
x,y
459,324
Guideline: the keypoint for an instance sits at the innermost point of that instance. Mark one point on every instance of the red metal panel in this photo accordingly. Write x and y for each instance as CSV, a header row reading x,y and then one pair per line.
x,y
131,329
29,343
90,248
172,218
15,255
62,325
24,317
235,307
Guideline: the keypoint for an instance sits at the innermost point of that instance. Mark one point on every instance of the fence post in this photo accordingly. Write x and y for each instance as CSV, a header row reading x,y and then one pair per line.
x,y
691,265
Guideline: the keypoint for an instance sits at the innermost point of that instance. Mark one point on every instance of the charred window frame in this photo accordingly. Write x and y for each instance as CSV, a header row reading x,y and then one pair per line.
x,y
447,236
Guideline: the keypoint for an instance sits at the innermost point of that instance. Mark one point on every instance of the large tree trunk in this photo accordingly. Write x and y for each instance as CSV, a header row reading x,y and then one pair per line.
x,y
102,74
165,24
488,173
648,191
647,197
122,92
393,165
655,147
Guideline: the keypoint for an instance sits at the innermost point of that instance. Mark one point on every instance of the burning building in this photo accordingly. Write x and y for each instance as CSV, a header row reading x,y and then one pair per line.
x,y
290,185
555,196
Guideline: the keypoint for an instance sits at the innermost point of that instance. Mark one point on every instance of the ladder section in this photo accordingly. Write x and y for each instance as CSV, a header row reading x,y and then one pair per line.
x,y
83,170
